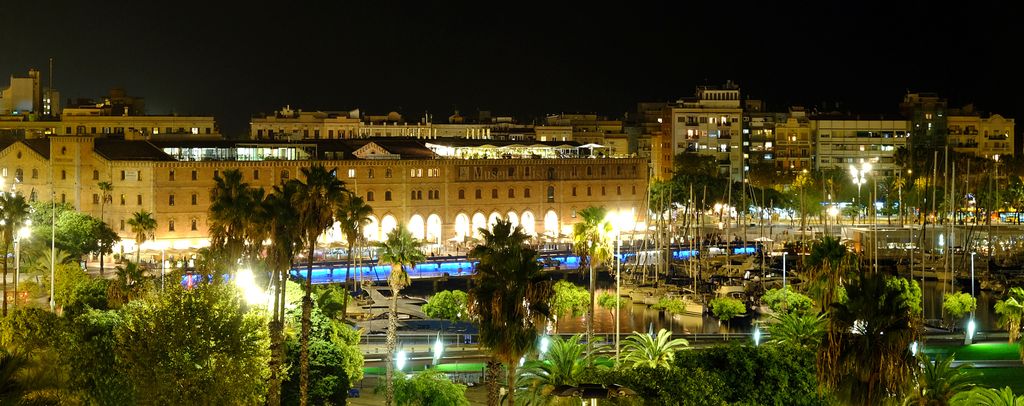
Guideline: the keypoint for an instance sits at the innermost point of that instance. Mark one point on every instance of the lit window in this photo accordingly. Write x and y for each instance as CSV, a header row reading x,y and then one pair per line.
x,y
351,173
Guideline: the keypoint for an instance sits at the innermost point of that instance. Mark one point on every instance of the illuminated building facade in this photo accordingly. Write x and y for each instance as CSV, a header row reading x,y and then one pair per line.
x,y
441,199
711,123
982,136
845,141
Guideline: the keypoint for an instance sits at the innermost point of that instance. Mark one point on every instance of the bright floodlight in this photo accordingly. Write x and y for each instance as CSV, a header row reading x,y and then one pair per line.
x,y
544,343
833,211
24,232
438,348
245,282
757,336
970,329
400,360
913,348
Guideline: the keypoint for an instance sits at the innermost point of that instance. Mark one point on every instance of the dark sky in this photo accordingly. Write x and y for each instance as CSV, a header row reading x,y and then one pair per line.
x,y
516,58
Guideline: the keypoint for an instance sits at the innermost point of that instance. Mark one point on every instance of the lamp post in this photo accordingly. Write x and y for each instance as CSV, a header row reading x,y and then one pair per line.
x,y
785,295
970,323
858,175
833,212
23,232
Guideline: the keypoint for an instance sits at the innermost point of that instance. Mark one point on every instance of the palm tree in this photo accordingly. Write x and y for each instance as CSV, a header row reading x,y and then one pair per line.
x,y
866,356
565,363
143,225
591,242
827,266
652,351
105,188
316,201
12,370
938,381
14,210
129,284
795,329
510,297
231,209
352,216
279,219
988,397
1011,312
400,249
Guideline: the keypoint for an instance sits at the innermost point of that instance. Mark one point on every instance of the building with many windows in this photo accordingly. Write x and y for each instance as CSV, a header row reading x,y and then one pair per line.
x,y
845,141
710,123
986,136
443,199
794,142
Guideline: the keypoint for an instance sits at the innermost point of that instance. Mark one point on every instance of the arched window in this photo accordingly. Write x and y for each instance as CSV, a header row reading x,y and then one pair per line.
x,y
19,175
369,196
194,224
511,193
462,194
95,174
551,194
35,173
170,225
494,193
590,171
551,173
284,175
387,196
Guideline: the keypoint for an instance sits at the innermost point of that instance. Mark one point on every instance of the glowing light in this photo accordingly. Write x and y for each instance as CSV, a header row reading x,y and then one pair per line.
x,y
246,282
438,348
913,348
970,329
545,342
757,336
400,359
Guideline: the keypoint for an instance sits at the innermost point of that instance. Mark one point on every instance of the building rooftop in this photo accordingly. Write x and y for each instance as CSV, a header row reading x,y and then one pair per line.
x,y
121,150
40,145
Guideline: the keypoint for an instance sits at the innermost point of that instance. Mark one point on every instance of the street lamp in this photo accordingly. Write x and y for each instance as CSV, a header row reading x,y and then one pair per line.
x,y
970,324
246,282
400,359
618,223
545,342
23,233
858,175
438,348
833,212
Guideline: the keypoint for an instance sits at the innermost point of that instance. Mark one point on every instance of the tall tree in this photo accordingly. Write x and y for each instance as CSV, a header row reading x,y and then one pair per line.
x,y
1011,312
316,200
14,210
510,297
828,265
285,237
106,189
866,356
143,225
231,210
399,250
592,243
352,215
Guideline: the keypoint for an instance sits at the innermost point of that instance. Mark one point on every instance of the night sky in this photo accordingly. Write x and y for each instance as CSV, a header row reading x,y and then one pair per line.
x,y
513,58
